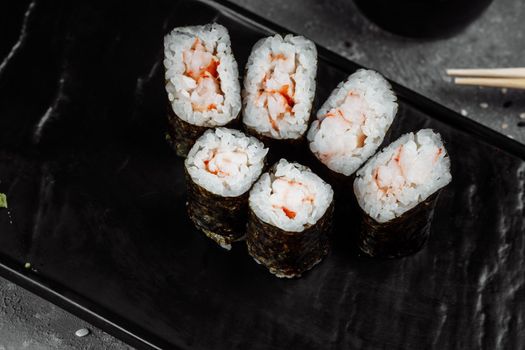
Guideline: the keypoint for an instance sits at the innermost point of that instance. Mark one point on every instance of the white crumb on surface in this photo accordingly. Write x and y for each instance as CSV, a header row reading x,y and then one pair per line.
x,y
484,105
464,112
82,332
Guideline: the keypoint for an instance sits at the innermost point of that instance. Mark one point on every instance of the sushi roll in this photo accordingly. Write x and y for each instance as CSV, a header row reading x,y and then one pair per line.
x,y
202,82
279,87
397,191
353,122
221,167
290,219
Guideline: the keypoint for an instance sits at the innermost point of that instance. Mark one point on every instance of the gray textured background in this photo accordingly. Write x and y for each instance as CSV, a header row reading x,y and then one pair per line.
x,y
497,39
494,40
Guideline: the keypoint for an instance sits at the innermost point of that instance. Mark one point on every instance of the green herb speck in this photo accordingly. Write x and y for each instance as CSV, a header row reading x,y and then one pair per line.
x,y
3,200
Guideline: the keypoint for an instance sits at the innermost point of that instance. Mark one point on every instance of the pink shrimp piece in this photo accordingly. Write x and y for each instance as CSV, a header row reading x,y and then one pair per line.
x,y
290,213
202,66
438,153
290,195
278,96
346,117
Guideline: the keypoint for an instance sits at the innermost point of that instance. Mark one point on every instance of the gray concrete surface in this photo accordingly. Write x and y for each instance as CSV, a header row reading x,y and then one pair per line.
x,y
29,322
495,40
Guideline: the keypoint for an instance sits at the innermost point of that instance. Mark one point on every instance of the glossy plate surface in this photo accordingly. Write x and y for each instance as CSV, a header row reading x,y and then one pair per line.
x,y
97,206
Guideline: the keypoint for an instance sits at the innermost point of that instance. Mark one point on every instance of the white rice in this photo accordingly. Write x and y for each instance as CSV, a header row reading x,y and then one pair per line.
x,y
353,121
291,197
279,86
226,162
402,175
202,107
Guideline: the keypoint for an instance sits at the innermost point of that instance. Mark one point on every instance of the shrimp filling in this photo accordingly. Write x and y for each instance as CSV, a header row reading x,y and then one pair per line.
x,y
277,89
201,77
409,166
279,86
290,197
345,125
226,162
352,122
402,175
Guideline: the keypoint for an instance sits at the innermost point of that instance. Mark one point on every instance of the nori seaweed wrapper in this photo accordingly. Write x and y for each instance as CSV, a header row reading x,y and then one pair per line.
x,y
342,186
339,182
289,254
291,149
182,135
222,219
401,236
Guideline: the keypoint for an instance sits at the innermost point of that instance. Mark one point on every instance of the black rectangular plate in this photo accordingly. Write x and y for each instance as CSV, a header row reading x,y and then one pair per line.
x,y
97,206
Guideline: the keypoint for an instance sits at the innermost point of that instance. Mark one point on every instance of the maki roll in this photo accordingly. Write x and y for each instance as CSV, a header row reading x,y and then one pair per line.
x,y
279,87
202,82
353,122
290,219
397,190
221,167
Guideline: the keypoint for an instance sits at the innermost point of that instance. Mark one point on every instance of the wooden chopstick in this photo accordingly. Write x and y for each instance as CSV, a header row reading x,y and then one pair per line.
x,y
513,78
517,83
493,73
